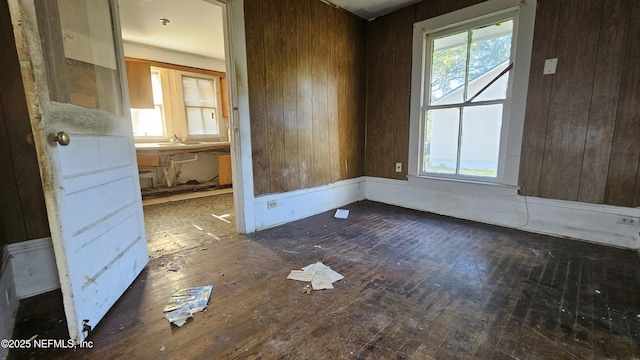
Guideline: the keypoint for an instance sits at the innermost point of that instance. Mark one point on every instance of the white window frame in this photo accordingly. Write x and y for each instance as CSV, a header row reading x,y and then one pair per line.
x,y
179,115
175,119
513,113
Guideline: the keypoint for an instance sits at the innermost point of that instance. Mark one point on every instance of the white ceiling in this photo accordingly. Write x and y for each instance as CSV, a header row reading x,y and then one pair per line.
x,y
371,9
196,25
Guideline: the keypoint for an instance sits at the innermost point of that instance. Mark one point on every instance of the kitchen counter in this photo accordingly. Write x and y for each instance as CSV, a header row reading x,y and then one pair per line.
x,y
173,148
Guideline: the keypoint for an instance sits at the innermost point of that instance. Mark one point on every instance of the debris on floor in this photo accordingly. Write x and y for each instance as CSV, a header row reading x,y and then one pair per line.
x,y
173,267
320,275
306,290
341,214
186,302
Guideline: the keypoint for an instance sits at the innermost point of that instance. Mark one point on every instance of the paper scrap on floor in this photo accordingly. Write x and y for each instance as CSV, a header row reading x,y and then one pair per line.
x,y
186,302
320,275
341,214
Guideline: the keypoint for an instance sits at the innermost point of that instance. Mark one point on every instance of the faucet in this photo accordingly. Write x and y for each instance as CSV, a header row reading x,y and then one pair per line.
x,y
177,138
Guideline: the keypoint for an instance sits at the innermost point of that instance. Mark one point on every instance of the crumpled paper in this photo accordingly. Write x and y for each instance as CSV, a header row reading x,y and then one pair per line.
x,y
320,275
186,302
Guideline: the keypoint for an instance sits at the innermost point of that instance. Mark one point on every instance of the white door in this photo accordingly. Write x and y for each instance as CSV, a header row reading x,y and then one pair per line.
x,y
72,67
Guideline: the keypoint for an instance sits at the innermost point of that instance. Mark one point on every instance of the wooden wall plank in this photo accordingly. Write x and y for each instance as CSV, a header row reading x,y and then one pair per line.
x,y
539,97
623,187
381,60
319,56
320,40
273,95
342,68
334,25
12,226
24,214
304,93
258,105
570,99
289,92
352,103
604,102
430,8
402,88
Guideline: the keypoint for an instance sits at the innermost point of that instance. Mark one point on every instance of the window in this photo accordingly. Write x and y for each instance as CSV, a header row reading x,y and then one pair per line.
x,y
186,106
459,167
466,91
200,106
150,122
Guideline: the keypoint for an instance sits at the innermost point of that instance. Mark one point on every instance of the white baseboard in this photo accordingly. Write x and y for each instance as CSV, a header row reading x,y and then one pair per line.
x,y
590,222
300,204
34,267
9,301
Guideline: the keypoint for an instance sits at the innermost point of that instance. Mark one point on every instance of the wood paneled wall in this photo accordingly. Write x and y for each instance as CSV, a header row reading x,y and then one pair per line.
x,y
306,75
23,215
582,124
389,48
582,127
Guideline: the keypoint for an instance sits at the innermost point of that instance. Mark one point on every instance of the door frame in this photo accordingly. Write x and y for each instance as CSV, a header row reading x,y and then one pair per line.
x,y
237,88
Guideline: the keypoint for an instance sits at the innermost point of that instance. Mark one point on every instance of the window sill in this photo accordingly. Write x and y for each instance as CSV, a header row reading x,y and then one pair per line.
x,y
470,186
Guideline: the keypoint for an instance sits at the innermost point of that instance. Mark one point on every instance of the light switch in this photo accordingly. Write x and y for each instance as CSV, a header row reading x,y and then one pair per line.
x,y
550,66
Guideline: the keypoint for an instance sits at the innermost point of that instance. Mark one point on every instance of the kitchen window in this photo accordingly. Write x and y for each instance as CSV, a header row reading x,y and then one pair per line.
x,y
186,107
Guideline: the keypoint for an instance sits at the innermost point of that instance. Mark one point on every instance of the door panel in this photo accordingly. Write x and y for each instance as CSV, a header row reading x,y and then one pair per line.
x,y
91,185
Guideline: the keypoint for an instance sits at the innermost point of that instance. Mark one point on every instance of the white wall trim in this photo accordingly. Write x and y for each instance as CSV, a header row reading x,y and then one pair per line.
x,y
299,204
34,267
9,301
240,121
582,221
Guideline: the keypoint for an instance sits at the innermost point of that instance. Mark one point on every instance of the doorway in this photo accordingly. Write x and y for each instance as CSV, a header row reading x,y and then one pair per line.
x,y
181,42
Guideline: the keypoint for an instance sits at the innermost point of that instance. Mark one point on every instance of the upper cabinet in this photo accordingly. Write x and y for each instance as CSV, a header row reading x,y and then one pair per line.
x,y
140,89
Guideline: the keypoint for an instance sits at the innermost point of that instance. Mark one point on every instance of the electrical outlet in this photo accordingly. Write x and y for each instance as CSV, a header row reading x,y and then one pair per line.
x,y
271,204
398,167
628,220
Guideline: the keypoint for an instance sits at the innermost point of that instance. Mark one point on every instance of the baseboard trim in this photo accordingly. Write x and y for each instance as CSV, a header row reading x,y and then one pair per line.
x,y
568,219
34,268
8,299
299,204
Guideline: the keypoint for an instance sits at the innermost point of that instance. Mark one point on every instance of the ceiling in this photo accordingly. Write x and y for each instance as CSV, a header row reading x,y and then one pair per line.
x,y
195,26
371,9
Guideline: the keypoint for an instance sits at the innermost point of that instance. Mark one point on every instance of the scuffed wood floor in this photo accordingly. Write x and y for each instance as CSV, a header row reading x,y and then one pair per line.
x,y
416,286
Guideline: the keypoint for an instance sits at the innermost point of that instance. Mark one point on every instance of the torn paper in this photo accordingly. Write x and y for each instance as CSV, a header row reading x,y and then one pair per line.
x,y
320,275
341,214
186,302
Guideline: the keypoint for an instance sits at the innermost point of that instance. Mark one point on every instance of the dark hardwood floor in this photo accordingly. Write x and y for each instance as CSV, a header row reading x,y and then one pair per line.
x,y
416,286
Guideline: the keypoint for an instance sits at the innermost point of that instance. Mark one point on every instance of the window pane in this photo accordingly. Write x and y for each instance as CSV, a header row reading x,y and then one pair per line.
x,y
156,86
448,68
81,61
200,102
441,141
194,121
480,140
210,121
490,53
147,122
198,92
